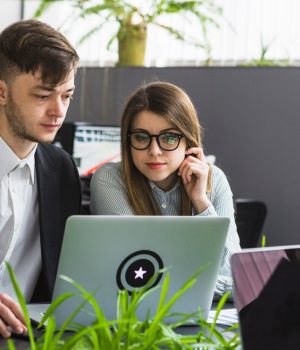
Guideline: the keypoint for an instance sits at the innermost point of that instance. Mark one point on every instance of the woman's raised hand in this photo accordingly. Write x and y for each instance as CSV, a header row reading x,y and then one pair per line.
x,y
194,172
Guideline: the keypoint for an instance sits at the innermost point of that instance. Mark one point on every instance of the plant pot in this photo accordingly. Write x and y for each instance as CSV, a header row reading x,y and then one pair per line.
x,y
132,44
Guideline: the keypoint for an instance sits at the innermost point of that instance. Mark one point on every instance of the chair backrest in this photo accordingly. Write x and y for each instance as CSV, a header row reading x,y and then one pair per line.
x,y
86,194
250,216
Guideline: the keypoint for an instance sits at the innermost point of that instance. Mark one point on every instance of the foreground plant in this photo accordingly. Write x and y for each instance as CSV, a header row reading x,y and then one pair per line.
x,y
127,331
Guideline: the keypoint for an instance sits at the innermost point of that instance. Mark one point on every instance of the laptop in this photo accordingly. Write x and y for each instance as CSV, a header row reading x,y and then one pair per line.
x,y
267,297
107,253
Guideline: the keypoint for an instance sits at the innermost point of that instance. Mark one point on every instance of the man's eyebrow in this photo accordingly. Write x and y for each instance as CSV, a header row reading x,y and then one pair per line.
x,y
51,89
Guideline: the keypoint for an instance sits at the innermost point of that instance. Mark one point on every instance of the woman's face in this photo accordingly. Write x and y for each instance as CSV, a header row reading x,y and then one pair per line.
x,y
156,164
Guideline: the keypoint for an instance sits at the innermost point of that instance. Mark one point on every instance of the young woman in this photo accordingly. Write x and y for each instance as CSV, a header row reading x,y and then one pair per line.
x,y
163,169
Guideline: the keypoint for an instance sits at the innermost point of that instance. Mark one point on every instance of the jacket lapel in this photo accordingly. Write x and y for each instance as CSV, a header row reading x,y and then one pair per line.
x,y
49,207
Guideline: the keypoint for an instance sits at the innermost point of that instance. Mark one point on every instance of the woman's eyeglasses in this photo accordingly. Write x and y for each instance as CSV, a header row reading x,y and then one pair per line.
x,y
167,141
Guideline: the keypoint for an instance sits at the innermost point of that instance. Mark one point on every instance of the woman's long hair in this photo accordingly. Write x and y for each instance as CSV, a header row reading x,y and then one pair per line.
x,y
173,104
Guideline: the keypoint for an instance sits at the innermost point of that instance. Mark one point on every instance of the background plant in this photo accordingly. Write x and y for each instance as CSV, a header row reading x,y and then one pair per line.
x,y
127,331
140,14
263,61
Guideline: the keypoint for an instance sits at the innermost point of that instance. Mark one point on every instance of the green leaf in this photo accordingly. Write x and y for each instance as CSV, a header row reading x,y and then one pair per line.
x,y
48,336
111,40
95,10
54,305
22,303
11,345
43,6
88,34
87,298
220,306
165,309
164,292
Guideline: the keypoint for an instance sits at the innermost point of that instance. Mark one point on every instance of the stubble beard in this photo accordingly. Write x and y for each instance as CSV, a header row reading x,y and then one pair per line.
x,y
15,119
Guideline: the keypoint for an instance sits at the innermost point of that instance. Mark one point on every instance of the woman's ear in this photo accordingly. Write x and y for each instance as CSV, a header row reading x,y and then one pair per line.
x,y
3,93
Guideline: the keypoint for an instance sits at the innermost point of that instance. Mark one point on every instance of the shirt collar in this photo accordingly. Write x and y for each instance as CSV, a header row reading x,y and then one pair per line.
x,y
30,161
9,160
154,187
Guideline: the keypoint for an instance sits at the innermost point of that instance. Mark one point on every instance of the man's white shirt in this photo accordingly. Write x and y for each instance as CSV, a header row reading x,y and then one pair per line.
x,y
19,221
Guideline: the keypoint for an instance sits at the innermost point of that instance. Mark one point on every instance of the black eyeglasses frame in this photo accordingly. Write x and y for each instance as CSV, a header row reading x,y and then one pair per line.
x,y
151,136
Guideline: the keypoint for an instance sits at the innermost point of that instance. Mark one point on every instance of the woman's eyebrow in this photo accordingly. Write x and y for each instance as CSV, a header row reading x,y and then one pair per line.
x,y
161,131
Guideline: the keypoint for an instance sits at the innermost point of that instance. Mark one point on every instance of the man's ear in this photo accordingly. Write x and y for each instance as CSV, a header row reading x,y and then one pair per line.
x,y
3,93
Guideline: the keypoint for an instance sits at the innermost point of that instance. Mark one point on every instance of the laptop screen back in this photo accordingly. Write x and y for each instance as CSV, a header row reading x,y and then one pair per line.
x,y
107,253
267,297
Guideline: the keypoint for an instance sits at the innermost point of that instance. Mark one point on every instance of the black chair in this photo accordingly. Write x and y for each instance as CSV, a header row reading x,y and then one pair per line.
x,y
85,192
250,216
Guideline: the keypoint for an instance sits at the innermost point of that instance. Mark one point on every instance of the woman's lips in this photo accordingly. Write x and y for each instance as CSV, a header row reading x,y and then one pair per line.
x,y
155,166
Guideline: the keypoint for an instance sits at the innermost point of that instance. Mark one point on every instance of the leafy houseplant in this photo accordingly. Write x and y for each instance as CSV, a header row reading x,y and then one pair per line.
x,y
127,331
133,21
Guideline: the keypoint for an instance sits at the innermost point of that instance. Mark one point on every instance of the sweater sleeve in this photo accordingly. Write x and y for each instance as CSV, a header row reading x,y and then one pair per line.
x,y
222,205
108,195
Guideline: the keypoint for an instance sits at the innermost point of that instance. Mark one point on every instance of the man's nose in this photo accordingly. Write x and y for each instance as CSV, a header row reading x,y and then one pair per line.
x,y
57,108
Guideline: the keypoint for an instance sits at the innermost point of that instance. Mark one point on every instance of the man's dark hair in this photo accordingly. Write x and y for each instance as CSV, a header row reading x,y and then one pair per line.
x,y
31,45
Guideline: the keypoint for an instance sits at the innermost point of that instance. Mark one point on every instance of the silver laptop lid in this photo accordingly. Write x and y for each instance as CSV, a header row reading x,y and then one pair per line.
x,y
107,253
267,297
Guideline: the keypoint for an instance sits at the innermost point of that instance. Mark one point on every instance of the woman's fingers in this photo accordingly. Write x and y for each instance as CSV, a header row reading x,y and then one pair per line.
x,y
197,152
190,169
192,166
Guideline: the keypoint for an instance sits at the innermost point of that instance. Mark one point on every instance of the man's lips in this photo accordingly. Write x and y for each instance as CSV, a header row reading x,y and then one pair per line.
x,y
51,126
155,165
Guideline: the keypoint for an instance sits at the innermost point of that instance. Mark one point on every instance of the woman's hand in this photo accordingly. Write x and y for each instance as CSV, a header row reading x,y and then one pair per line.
x,y
194,173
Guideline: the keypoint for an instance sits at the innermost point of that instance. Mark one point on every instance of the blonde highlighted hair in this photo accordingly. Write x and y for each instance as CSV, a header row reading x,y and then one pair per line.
x,y
173,104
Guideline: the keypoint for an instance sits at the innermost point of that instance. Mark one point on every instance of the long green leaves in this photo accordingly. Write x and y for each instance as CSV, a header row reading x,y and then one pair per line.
x,y
128,331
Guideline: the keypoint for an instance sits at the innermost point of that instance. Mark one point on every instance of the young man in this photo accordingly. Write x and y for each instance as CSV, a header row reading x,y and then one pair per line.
x,y
39,183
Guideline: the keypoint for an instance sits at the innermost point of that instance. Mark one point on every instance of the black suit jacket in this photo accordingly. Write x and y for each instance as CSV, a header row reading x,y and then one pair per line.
x,y
59,196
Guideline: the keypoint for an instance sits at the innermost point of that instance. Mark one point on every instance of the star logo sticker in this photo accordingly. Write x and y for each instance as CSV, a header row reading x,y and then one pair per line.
x,y
140,273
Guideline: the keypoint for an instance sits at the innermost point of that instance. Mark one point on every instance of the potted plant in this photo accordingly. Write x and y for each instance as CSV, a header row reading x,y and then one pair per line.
x,y
133,21
127,331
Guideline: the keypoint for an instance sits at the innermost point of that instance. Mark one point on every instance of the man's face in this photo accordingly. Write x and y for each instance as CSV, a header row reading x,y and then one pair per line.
x,y
33,110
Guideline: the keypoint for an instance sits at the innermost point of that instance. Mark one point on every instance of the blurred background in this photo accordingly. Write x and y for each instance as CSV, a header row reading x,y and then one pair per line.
x,y
228,32
237,59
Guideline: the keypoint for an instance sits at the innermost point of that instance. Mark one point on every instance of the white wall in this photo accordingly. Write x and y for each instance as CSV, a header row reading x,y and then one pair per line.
x,y
248,25
9,12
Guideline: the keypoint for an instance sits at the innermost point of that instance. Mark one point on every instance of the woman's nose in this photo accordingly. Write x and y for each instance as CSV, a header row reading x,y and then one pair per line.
x,y
154,148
